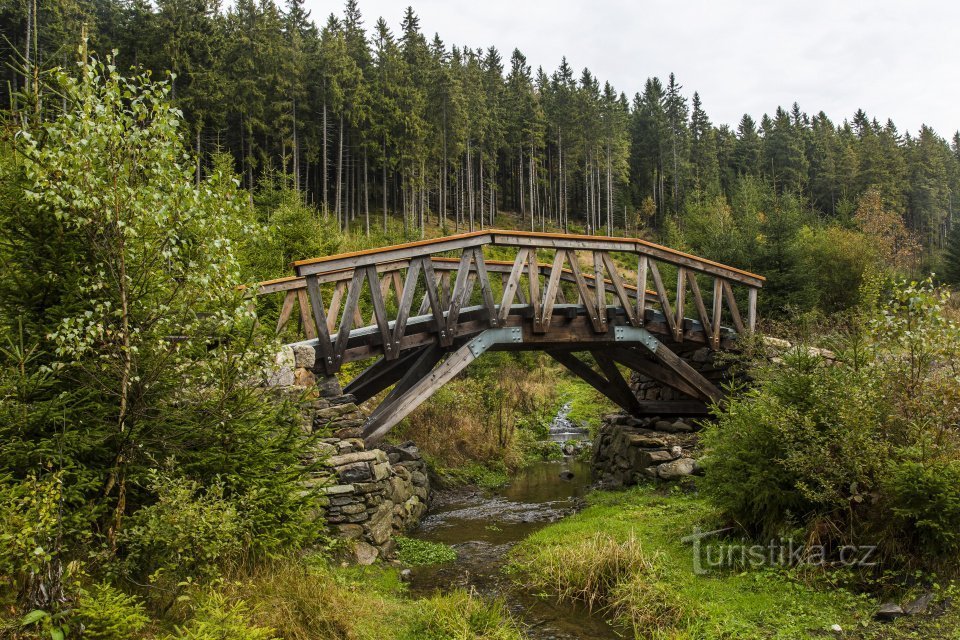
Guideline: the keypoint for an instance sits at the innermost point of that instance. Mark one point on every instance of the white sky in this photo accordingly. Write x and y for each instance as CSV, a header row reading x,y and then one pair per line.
x,y
893,58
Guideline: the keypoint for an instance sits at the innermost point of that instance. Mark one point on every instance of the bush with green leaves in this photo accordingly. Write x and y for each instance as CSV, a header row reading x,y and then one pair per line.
x,y
125,339
217,617
863,450
189,532
103,612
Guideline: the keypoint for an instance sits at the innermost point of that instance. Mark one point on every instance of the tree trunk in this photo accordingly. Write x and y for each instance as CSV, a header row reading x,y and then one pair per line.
x,y
366,193
326,206
337,207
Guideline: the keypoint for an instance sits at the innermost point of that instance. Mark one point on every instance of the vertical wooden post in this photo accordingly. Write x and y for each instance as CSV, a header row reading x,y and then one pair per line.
x,y
641,289
717,312
752,310
681,298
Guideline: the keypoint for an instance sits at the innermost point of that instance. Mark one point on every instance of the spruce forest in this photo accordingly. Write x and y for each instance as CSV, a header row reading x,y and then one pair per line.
x,y
372,125
255,386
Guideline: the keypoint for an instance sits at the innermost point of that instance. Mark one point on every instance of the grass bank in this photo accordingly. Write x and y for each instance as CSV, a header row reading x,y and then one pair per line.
x,y
298,599
624,555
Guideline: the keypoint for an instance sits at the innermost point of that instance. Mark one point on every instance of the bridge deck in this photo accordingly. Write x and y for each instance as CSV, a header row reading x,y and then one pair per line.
x,y
435,305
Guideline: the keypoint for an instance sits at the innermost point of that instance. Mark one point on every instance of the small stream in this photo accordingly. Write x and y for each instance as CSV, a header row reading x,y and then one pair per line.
x,y
483,525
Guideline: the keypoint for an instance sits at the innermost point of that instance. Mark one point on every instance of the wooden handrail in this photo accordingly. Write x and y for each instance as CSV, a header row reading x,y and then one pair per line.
x,y
500,237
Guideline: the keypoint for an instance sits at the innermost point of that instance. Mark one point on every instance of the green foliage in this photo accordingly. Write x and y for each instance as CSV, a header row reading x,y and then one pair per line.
x,y
216,617
106,613
415,552
853,452
926,498
189,532
461,615
28,528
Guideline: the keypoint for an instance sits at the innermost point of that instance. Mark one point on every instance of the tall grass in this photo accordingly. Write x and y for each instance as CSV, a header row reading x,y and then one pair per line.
x,y
615,577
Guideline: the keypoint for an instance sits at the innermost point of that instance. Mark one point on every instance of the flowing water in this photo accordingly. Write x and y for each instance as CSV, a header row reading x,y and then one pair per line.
x,y
482,526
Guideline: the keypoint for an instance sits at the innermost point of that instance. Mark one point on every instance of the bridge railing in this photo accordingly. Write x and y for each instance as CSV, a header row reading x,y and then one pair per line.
x,y
422,291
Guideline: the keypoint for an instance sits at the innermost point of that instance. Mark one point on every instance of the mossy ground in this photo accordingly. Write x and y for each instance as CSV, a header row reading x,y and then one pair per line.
x,y
651,587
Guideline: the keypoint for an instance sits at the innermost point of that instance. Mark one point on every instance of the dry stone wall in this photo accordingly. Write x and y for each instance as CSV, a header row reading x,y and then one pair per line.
x,y
629,450
370,495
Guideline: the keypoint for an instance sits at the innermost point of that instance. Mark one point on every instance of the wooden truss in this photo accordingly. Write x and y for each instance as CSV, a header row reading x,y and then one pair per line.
x,y
435,306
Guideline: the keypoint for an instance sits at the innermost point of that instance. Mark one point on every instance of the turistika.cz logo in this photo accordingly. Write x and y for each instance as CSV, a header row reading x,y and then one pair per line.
x,y
712,553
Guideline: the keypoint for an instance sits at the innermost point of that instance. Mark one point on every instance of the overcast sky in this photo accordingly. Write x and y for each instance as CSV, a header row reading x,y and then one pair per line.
x,y
894,58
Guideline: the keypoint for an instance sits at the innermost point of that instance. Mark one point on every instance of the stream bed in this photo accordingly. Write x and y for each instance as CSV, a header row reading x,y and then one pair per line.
x,y
483,525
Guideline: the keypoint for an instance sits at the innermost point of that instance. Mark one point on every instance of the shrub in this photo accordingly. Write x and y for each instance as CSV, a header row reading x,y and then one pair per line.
x,y
926,498
105,613
852,452
217,617
28,527
188,532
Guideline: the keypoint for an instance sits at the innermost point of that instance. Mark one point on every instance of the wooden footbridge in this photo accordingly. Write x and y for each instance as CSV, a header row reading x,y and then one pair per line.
x,y
437,305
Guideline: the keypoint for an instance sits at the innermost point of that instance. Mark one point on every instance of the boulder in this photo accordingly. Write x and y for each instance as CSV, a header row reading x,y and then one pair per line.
x,y
339,489
355,472
652,458
304,355
364,553
674,427
350,458
888,612
676,469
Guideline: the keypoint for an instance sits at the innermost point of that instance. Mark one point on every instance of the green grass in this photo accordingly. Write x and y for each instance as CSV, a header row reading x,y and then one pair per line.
x,y
416,552
624,555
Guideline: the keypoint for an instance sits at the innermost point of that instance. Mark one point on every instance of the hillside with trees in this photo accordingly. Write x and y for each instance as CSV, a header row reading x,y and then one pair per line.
x,y
371,124
160,157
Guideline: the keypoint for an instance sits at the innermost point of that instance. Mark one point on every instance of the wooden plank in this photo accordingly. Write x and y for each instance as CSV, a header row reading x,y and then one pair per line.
x,y
701,308
542,323
420,367
641,289
486,291
335,300
424,388
511,284
433,298
662,298
620,289
323,335
706,390
580,369
347,318
379,311
752,310
636,361
381,374
406,251
732,306
585,296
306,318
403,306
445,288
397,283
533,274
286,310
599,289
457,296
632,245
680,302
717,312
615,378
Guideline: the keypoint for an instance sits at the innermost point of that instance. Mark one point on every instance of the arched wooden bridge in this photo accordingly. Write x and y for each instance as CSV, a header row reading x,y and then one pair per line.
x,y
439,304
